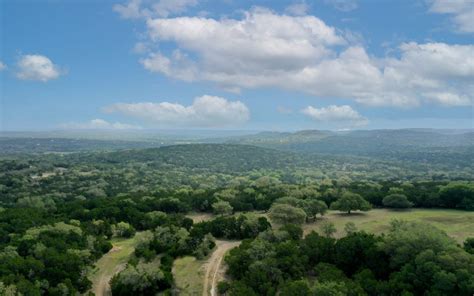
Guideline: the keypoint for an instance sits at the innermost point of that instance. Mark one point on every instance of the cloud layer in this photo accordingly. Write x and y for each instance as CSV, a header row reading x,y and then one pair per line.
x,y
37,67
265,49
205,111
461,11
2,66
336,114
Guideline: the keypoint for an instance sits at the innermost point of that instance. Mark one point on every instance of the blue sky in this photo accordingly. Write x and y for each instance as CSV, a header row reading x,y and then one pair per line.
x,y
256,65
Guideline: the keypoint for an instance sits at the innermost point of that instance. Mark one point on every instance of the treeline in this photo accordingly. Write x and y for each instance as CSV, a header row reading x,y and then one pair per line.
x,y
412,259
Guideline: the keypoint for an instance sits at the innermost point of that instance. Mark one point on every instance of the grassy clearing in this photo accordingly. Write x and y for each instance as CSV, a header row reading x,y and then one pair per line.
x,y
189,273
199,217
112,262
457,224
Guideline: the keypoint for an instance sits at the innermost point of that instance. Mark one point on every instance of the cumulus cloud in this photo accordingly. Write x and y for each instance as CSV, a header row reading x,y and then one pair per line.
x,y
461,11
302,53
233,52
343,5
339,114
2,66
37,67
205,111
99,124
135,9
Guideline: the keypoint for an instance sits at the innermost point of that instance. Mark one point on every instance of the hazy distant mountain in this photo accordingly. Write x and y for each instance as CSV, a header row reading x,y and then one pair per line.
x,y
419,145
351,140
408,144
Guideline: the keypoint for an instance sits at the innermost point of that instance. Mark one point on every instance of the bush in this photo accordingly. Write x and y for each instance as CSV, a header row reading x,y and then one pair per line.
x,y
398,201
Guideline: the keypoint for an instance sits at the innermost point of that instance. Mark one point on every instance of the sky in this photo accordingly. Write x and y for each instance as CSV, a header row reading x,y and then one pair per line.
x,y
236,65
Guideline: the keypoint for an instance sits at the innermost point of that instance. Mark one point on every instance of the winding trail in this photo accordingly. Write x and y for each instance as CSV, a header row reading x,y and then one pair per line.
x,y
214,269
103,286
111,263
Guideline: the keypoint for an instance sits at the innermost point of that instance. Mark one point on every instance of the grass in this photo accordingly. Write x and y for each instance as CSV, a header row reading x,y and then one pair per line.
x,y
113,261
457,224
188,273
199,217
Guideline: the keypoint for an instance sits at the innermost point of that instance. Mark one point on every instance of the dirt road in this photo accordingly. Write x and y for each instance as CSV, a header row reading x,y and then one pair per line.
x,y
214,268
102,287
111,263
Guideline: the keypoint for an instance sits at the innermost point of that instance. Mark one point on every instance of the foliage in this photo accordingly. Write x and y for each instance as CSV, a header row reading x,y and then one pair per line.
x,y
413,259
222,208
328,228
458,195
469,245
350,228
286,214
398,201
351,202
59,211
144,279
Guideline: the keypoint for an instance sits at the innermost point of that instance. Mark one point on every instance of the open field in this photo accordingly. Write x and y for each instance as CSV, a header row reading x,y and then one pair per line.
x,y
457,224
111,263
189,273
199,217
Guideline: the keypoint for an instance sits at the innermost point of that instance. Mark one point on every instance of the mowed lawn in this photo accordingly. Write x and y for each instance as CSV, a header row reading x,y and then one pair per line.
x,y
189,275
112,262
457,224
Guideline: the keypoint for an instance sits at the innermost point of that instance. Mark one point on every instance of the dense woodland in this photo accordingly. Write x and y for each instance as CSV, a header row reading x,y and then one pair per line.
x,y
58,213
412,259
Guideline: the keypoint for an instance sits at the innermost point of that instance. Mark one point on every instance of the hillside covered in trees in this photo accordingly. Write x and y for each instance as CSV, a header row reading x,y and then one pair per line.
x,y
61,212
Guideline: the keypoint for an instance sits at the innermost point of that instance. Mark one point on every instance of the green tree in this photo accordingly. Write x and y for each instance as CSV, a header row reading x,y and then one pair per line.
x,y
142,279
350,228
328,228
469,245
313,207
396,200
351,202
222,208
124,229
458,195
406,240
286,214
295,288
330,289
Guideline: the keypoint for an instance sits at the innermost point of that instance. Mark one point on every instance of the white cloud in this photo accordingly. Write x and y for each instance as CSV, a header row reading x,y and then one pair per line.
x,y
135,9
343,5
302,53
179,66
2,66
227,49
339,114
37,67
205,111
297,9
131,10
261,39
461,11
99,124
